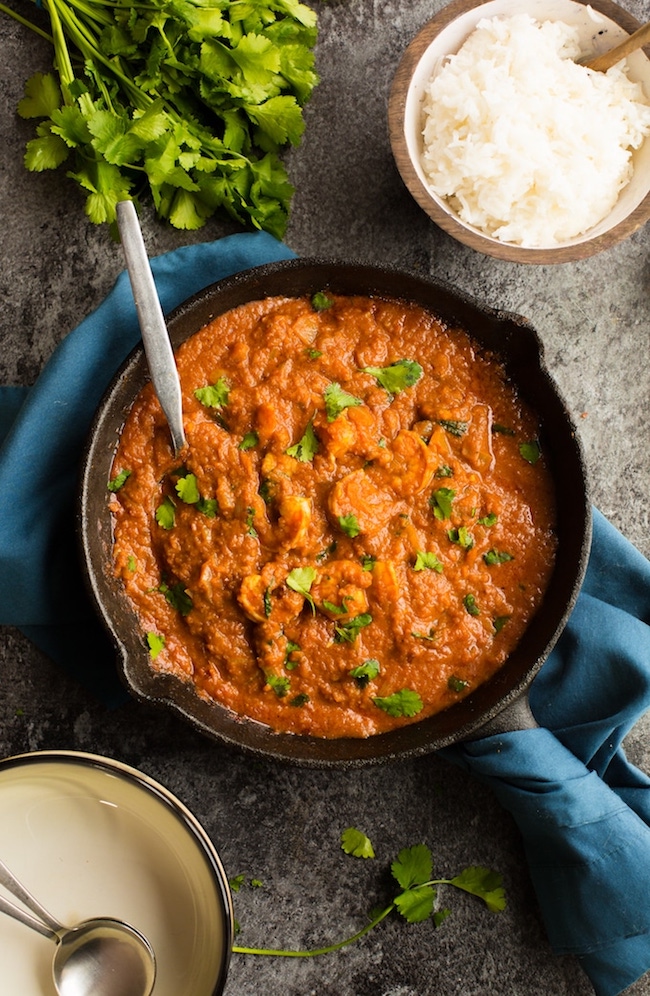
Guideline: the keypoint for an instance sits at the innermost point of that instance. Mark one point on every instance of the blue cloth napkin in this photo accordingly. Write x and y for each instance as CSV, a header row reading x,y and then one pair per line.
x,y
583,809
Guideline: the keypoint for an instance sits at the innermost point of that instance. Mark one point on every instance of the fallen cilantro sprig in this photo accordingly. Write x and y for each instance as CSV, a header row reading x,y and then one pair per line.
x,y
416,901
189,104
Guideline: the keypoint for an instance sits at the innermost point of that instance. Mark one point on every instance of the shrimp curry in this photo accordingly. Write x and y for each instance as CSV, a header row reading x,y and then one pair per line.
x,y
360,528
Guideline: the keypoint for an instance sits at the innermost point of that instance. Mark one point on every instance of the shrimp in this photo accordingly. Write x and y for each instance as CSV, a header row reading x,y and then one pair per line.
x,y
412,464
339,589
294,521
358,495
265,598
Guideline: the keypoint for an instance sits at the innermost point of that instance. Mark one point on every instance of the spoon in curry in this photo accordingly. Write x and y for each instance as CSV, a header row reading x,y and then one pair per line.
x,y
155,336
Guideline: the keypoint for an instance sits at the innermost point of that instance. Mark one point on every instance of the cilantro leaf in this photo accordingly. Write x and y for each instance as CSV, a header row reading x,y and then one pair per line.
x,y
356,843
336,400
42,96
441,502
413,866
350,525
497,557
453,426
455,684
155,642
347,632
177,597
403,703
300,579
469,601
187,489
462,536
249,441
166,513
484,883
119,480
306,448
427,562
416,904
280,684
366,672
531,452
214,395
320,301
397,376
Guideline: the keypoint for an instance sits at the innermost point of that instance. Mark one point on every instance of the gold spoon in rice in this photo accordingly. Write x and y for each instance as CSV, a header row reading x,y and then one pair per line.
x,y
601,63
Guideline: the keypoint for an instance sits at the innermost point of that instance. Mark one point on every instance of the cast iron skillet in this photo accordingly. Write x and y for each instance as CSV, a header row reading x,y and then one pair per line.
x,y
517,343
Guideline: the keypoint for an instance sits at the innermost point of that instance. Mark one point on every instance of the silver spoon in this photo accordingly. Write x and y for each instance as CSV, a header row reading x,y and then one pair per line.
x,y
155,337
98,957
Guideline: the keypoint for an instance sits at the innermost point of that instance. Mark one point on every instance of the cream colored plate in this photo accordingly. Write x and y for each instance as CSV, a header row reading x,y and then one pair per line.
x,y
92,837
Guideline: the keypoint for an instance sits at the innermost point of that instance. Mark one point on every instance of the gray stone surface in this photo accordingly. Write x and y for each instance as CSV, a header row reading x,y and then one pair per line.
x,y
280,823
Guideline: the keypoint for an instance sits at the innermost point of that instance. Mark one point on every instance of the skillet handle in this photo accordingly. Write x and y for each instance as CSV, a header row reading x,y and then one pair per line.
x,y
517,715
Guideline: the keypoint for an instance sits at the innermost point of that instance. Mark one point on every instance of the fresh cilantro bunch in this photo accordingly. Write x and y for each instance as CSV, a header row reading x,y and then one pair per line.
x,y
188,101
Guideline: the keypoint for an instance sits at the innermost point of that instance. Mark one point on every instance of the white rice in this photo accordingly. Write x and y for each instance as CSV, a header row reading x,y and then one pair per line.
x,y
524,144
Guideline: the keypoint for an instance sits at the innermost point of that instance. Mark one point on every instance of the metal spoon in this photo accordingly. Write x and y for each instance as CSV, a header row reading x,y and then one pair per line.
x,y
155,337
98,957
637,39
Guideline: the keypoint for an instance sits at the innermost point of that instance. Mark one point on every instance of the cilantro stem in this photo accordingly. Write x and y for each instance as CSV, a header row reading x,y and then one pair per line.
x,y
314,952
26,24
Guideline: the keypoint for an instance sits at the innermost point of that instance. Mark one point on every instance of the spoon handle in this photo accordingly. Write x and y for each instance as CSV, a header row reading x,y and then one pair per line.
x,y
46,925
26,918
155,337
638,39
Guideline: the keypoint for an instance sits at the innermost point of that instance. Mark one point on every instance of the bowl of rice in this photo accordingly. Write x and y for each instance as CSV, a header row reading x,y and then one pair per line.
x,y
510,143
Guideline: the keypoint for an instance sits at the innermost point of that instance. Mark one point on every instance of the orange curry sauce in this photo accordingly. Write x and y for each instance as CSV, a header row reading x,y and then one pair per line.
x,y
361,527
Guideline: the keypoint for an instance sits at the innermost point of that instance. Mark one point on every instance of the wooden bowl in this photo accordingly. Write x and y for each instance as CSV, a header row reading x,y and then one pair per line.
x,y
442,36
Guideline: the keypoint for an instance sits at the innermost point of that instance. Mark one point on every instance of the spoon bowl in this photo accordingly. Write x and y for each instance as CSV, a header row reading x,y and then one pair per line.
x,y
103,957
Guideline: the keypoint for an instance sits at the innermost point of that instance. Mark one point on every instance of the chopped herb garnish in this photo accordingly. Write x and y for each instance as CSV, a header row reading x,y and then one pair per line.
x,y
337,400
290,649
350,525
531,452
300,579
368,561
403,703
208,507
155,642
119,480
327,552
488,520
356,843
462,537
453,426
279,683
431,635
496,557
456,684
397,376
469,602
177,597
166,513
265,491
503,429
250,518
306,448
266,599
444,471
131,564
365,672
187,489
299,700
250,440
313,354
427,562
347,632
321,302
214,395
499,622
441,501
